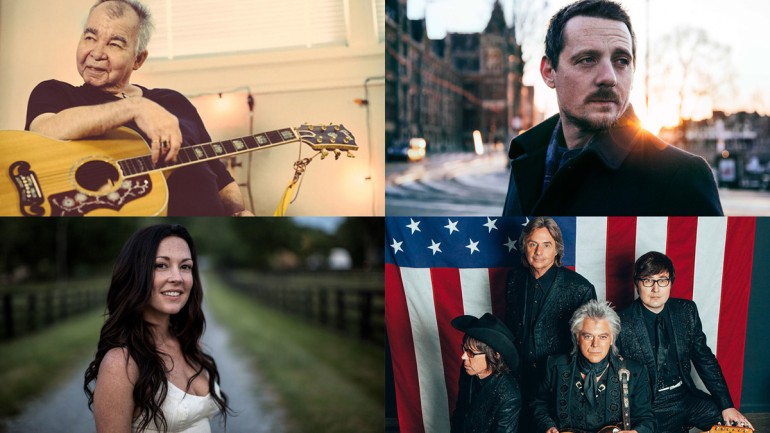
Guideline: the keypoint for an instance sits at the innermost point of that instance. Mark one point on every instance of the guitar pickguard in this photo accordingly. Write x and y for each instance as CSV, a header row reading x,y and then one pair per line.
x,y
28,188
76,203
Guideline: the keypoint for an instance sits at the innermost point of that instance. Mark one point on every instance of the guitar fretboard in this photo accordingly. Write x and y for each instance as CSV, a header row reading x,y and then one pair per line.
x,y
208,151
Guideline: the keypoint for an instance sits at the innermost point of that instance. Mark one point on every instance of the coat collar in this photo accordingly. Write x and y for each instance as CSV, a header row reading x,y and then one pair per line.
x,y
611,146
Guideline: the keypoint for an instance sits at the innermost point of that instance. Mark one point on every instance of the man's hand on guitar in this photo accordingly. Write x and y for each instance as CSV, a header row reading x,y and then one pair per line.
x,y
733,417
161,127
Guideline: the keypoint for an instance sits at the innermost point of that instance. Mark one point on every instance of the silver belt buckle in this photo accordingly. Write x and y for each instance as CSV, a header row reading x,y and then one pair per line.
x,y
669,388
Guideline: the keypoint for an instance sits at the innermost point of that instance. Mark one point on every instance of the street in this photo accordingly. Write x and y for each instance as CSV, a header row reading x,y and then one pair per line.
x,y
463,184
447,184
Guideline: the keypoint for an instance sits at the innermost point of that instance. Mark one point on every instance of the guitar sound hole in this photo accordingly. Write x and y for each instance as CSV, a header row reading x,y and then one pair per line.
x,y
96,176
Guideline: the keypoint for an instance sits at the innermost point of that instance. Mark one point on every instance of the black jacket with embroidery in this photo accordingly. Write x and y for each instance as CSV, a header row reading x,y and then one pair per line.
x,y
634,343
624,170
570,290
493,409
552,406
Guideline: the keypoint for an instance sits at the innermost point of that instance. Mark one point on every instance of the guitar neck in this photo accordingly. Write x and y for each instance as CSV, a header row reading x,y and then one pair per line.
x,y
209,151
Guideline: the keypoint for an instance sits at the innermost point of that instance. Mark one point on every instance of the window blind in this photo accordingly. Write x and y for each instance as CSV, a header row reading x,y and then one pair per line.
x,y
186,28
379,6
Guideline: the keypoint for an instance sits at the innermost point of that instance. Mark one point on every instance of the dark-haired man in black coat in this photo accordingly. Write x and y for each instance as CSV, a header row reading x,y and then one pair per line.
x,y
540,298
649,335
594,158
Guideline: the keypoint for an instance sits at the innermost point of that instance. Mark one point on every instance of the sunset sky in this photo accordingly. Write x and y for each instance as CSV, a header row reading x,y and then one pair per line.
x,y
743,28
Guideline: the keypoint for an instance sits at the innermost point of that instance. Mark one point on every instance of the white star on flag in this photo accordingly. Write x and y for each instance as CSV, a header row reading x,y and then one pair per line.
x,y
396,246
435,247
452,226
511,244
472,246
414,225
490,224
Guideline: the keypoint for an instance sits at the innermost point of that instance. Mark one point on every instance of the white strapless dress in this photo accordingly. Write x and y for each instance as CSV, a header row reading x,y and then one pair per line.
x,y
185,413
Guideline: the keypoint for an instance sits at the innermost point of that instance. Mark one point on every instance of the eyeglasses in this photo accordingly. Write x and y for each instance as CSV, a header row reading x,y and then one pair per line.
x,y
649,282
470,352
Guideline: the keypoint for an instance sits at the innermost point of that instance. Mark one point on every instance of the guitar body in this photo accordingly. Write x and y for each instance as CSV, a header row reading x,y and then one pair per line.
x,y
47,177
113,175
606,429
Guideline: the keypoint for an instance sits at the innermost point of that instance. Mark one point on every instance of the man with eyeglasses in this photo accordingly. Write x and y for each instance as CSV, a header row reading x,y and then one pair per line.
x,y
648,335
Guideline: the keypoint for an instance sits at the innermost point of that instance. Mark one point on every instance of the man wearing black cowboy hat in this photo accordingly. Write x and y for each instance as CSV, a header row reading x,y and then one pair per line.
x,y
489,399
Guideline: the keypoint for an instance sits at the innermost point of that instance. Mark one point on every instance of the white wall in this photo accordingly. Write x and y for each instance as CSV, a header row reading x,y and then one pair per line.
x,y
38,40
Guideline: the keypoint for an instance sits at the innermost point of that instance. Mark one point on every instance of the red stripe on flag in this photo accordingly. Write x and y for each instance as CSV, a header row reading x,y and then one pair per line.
x,y
448,301
497,277
680,248
402,349
621,242
734,305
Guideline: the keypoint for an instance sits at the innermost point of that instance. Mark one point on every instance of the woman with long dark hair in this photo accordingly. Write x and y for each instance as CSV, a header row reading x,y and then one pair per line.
x,y
150,371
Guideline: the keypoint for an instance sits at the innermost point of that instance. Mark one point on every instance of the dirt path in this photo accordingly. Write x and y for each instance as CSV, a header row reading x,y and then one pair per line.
x,y
64,409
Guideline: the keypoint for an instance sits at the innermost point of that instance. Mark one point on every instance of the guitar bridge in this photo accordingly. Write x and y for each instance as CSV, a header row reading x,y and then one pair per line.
x,y
28,188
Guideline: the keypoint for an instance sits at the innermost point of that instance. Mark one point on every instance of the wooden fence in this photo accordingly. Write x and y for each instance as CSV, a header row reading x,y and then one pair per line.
x,y
28,310
357,309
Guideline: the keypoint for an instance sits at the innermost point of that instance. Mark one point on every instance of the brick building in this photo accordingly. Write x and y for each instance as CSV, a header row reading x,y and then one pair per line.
x,y
443,90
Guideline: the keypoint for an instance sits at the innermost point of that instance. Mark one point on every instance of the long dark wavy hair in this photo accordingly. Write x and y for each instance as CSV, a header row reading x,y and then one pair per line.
x,y
125,327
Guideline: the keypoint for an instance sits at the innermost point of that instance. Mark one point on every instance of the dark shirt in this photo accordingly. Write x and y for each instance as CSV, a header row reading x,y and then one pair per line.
x,y
668,372
194,189
537,289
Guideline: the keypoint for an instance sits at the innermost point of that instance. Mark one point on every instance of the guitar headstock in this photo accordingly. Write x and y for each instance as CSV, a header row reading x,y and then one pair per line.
x,y
325,137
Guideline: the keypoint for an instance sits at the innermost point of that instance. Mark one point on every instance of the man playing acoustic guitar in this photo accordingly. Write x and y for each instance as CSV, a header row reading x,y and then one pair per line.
x,y
112,46
593,389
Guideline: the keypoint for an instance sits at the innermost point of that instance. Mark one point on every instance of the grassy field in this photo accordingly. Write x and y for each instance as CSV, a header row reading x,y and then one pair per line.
x,y
31,365
326,382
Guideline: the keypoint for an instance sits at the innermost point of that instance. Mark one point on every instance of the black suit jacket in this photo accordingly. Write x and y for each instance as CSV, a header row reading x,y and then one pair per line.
x,y
552,335
624,170
552,408
634,343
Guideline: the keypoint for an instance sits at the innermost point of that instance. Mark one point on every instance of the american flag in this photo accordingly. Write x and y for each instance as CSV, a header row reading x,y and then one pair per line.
x,y
440,268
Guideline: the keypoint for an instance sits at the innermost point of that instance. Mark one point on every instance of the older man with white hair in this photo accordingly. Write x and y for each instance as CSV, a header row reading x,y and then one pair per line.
x,y
593,389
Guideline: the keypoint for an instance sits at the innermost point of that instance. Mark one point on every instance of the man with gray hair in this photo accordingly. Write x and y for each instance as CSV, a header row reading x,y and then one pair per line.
x,y
583,390
113,45
540,297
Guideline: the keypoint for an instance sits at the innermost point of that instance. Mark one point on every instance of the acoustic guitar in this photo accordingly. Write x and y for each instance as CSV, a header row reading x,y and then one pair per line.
x,y
729,429
617,428
606,429
113,175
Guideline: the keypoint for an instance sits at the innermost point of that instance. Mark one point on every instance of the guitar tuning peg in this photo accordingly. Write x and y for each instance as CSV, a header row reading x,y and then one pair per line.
x,y
324,153
336,127
333,139
346,140
337,154
319,140
350,155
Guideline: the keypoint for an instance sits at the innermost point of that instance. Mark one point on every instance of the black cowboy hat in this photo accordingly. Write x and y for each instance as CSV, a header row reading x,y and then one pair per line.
x,y
493,332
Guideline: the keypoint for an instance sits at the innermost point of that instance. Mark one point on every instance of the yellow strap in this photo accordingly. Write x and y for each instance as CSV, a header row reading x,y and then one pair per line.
x,y
284,203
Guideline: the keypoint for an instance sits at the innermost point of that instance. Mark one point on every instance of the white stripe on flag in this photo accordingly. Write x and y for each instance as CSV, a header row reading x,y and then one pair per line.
x,y
707,281
477,297
591,252
651,235
422,317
